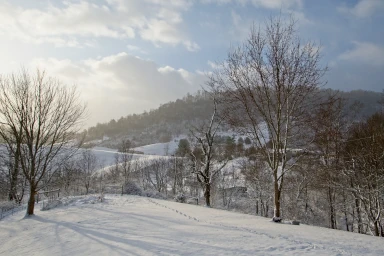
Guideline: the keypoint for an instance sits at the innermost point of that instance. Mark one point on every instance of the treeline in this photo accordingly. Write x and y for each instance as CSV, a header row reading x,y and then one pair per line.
x,y
169,119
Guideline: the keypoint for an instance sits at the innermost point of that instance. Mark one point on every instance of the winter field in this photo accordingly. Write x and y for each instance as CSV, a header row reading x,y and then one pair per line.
x,y
131,225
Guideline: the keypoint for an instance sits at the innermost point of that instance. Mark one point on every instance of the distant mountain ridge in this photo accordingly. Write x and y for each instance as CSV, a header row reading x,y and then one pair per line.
x,y
157,125
171,119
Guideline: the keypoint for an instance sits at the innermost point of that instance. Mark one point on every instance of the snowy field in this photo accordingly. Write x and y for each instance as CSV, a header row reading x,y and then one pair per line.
x,y
130,225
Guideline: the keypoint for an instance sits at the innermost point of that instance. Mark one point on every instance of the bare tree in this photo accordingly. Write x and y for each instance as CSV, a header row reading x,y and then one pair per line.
x,y
154,174
259,185
68,177
15,183
43,116
87,164
180,171
211,162
365,170
229,184
265,87
125,158
330,126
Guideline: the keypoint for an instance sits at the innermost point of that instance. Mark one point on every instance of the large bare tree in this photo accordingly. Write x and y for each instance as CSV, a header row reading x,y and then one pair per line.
x,y
265,87
41,117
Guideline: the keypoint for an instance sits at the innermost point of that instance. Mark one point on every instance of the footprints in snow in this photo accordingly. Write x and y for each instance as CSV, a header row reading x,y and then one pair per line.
x,y
298,244
183,214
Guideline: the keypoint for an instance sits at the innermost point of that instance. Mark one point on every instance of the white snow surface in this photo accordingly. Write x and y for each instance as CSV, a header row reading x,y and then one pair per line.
x,y
158,148
161,148
131,225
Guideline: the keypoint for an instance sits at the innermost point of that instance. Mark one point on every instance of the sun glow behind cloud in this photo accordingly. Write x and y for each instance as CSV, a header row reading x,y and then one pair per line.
x,y
119,84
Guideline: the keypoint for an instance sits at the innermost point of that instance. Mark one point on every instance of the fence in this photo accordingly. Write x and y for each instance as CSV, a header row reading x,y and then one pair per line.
x,y
48,195
43,196
7,211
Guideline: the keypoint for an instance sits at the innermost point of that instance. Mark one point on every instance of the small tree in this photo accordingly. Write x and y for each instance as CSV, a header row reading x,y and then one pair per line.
x,y
183,148
125,158
43,116
87,164
211,162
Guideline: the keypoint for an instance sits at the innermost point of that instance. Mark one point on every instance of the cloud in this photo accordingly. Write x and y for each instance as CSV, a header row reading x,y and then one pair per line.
x,y
269,4
213,65
160,31
366,53
240,27
121,84
364,8
277,4
73,23
220,2
134,48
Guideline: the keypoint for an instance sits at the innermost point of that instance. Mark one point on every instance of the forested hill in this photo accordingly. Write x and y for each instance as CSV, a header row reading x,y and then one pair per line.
x,y
170,119
167,120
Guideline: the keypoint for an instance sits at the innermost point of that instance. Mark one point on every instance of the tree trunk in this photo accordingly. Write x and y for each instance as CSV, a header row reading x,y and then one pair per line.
x,y
207,194
276,213
331,209
345,212
174,182
174,178
358,212
376,226
12,190
31,201
257,208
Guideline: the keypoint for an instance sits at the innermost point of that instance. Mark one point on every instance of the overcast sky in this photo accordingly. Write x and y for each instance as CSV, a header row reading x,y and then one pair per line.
x,y
127,56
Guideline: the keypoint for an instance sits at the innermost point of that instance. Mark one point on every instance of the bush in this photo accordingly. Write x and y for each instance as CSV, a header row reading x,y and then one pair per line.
x,y
193,200
277,219
180,198
131,188
7,205
154,194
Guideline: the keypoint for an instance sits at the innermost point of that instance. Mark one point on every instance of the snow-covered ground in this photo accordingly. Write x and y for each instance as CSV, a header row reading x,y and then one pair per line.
x,y
161,149
130,225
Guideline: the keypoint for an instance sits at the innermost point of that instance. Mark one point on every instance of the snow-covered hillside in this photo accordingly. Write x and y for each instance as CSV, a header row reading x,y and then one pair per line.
x,y
130,225
161,149
106,157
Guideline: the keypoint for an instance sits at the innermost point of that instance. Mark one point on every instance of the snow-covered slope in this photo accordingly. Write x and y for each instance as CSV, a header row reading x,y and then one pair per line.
x,y
161,149
129,225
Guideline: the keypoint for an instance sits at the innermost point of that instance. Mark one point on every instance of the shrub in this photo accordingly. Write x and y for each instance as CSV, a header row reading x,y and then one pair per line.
x,y
180,198
154,194
131,188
